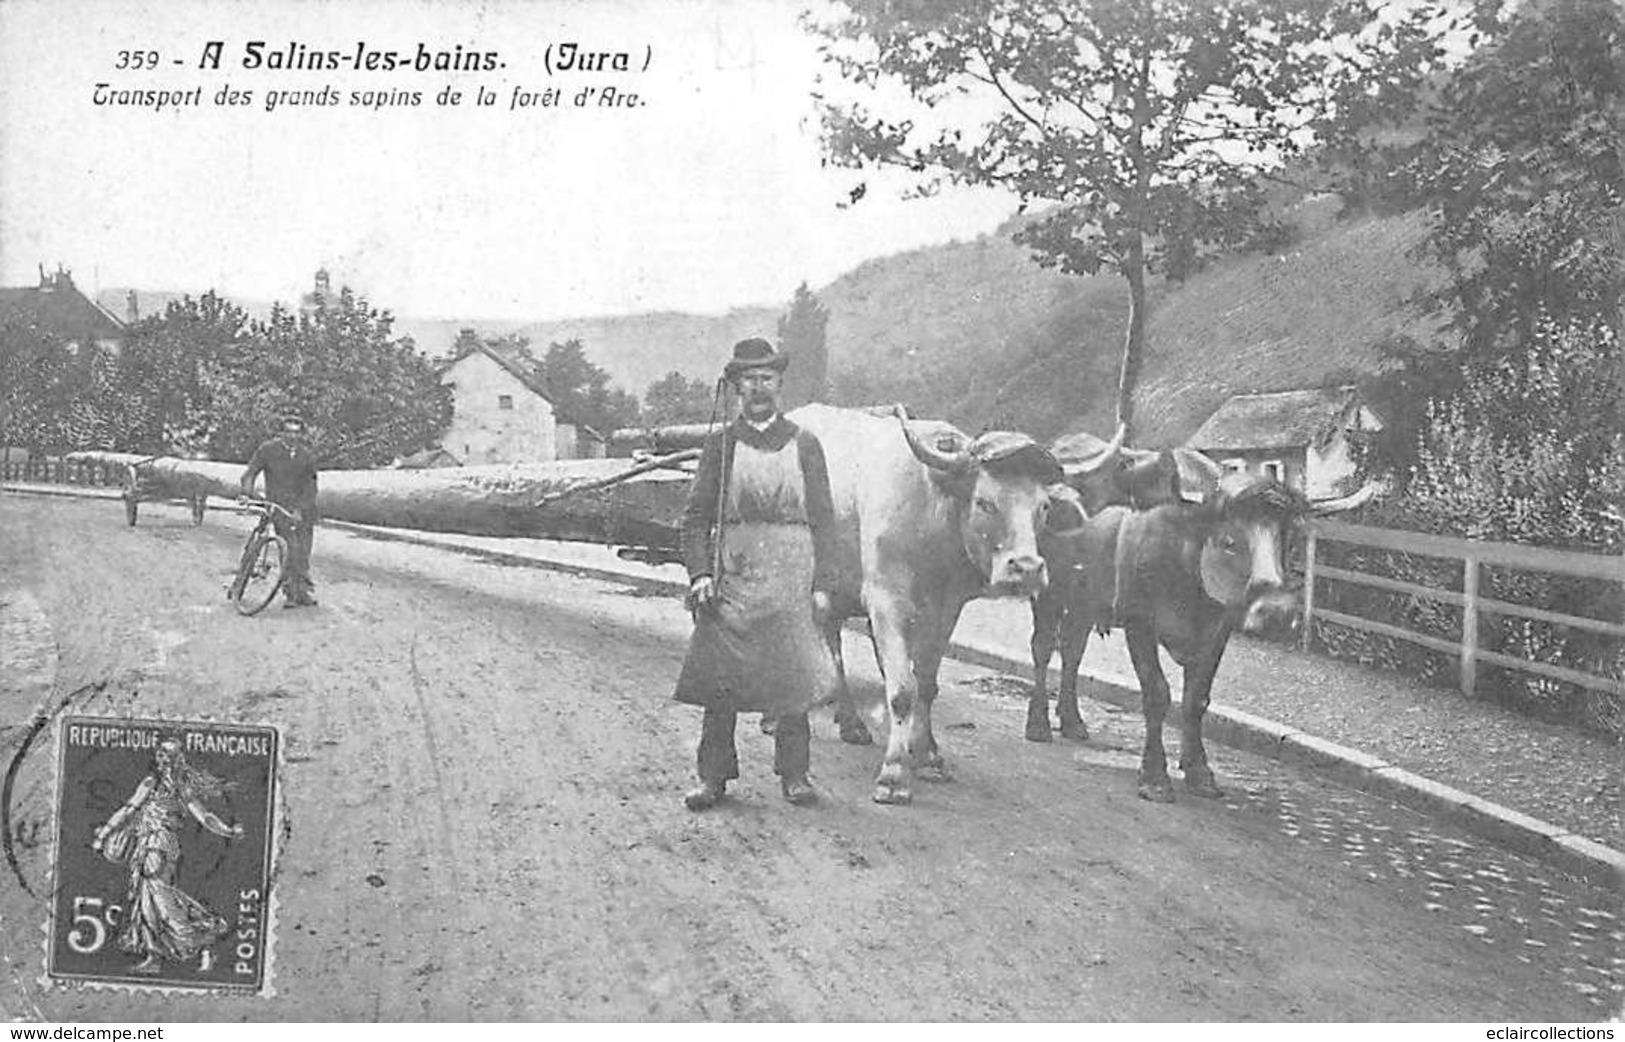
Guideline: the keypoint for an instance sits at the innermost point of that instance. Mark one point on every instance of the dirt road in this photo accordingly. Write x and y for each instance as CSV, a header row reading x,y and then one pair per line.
x,y
483,780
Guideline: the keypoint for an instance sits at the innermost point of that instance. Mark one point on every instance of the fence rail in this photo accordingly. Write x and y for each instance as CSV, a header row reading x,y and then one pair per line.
x,y
58,471
1472,555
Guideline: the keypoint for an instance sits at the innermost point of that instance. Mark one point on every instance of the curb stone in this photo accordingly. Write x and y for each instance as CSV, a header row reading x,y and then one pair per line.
x,y
1575,854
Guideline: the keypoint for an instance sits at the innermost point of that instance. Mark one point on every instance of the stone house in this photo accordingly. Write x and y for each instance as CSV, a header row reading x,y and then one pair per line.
x,y
502,413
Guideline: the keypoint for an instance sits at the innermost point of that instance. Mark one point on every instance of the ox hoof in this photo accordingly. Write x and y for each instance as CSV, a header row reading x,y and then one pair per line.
x,y
893,795
1159,791
1075,730
855,733
935,769
1202,784
1038,731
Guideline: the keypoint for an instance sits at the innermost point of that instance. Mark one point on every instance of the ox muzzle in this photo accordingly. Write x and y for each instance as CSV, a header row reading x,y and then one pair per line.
x,y
1272,610
1018,575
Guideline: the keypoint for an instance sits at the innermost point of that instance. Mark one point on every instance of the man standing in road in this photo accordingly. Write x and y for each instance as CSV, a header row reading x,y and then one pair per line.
x,y
289,465
759,545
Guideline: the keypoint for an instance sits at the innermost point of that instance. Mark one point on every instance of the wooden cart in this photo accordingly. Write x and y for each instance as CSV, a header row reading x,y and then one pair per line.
x,y
143,484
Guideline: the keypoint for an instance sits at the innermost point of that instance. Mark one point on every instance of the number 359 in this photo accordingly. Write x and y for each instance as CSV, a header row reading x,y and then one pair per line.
x,y
137,60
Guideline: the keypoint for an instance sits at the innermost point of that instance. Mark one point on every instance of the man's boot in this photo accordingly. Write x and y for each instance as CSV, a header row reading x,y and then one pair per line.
x,y
705,795
792,740
799,791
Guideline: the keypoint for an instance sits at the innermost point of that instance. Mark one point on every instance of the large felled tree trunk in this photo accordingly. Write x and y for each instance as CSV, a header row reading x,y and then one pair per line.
x,y
644,510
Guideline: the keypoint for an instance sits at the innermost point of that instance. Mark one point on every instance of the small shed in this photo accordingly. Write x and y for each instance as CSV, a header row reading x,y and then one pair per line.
x,y
1303,438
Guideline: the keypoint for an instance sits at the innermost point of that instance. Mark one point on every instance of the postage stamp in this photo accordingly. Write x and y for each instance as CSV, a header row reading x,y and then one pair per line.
x,y
163,854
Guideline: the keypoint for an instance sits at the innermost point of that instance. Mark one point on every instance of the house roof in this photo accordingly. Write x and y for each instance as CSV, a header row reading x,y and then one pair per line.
x,y
533,383
57,306
1283,420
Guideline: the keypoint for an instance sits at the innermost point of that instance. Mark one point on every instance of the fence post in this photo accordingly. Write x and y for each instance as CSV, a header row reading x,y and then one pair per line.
x,y
1469,626
1309,590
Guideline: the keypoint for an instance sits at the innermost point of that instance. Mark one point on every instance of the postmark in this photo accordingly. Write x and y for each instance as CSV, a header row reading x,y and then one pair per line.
x,y
163,854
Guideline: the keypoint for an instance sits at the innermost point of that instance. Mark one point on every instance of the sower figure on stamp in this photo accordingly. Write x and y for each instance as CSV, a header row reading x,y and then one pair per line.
x,y
290,482
161,921
758,541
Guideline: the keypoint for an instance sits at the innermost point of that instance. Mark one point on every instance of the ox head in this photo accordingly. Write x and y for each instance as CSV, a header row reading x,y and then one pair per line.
x,y
1250,521
1108,473
1007,490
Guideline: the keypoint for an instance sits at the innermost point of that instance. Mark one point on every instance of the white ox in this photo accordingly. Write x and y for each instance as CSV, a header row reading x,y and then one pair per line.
x,y
927,520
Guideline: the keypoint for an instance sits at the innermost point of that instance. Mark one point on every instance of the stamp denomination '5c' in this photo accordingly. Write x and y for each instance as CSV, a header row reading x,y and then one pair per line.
x,y
164,833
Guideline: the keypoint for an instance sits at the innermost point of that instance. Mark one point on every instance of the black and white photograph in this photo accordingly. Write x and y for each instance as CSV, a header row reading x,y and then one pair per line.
x,y
597,512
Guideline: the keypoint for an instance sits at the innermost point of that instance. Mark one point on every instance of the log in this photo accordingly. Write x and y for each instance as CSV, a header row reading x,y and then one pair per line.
x,y
578,502
674,438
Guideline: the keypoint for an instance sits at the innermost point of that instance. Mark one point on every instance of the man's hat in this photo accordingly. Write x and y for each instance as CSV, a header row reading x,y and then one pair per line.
x,y
755,353
292,415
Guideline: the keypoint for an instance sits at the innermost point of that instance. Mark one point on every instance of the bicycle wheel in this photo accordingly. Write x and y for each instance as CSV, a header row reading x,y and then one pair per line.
x,y
260,575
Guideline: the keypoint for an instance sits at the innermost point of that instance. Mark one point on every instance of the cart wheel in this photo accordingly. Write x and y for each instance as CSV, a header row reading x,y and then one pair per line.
x,y
130,509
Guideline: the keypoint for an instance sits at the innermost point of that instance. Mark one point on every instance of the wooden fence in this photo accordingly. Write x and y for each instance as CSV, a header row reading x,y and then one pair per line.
x,y
58,471
1472,555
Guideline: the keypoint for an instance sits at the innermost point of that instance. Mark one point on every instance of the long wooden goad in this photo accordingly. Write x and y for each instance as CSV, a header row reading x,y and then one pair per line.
x,y
579,500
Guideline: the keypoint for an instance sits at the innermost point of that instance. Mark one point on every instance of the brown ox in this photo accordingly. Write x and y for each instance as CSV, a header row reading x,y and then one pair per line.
x,y
1182,575
927,519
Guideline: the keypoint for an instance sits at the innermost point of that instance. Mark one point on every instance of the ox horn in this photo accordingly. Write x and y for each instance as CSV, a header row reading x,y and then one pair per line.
x,y
1204,474
1095,463
950,462
1339,504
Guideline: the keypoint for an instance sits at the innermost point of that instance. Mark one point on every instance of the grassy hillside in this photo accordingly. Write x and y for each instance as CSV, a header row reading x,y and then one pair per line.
x,y
1309,317
974,332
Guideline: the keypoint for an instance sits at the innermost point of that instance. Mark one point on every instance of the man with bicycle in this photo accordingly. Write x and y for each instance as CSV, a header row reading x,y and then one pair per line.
x,y
289,465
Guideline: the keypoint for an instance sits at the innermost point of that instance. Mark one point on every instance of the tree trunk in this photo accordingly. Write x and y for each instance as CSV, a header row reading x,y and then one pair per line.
x,y
643,511
1134,340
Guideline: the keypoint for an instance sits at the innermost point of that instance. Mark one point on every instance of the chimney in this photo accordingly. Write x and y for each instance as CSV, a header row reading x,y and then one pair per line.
x,y
132,309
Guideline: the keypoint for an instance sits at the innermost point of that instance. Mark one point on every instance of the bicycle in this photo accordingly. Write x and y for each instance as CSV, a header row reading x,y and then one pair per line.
x,y
265,556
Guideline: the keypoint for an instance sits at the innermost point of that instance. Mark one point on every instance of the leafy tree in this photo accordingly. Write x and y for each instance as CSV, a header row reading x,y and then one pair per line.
x,y
674,399
584,388
1509,427
1147,124
801,334
366,396
36,386
1522,174
163,363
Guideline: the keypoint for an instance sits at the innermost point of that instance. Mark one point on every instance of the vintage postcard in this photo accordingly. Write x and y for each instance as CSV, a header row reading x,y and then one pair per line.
x,y
704,509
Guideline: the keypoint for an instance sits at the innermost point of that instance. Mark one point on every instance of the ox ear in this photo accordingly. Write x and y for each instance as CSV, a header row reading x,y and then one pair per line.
x,y
1067,515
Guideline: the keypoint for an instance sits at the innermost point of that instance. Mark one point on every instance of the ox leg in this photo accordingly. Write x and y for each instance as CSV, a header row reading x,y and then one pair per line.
x,y
1047,611
1142,647
1199,675
847,717
1074,639
927,664
893,622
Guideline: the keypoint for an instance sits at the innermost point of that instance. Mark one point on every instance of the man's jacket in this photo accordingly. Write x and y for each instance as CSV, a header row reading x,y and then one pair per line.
x,y
290,472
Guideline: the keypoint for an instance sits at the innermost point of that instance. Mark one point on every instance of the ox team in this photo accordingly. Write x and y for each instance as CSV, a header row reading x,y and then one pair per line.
x,y
796,523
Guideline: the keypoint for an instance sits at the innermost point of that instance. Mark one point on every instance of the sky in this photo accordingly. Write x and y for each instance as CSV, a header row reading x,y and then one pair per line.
x,y
707,196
